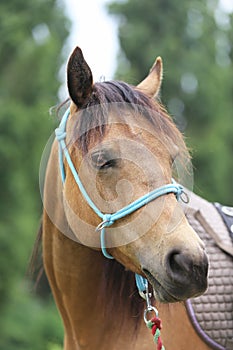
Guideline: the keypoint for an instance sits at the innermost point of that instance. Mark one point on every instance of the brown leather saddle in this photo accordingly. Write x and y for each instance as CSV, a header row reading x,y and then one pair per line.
x,y
212,313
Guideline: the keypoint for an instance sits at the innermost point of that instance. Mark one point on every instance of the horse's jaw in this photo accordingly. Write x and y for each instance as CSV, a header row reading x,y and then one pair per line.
x,y
180,271
165,293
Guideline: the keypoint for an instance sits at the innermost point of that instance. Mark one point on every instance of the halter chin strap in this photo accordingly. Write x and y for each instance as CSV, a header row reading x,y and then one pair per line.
x,y
109,219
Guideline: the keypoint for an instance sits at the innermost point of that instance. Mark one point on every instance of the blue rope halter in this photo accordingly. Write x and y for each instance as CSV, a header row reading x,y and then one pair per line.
x,y
109,219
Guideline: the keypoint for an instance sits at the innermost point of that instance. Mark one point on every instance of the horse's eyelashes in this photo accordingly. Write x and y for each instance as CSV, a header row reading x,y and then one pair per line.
x,y
103,160
109,164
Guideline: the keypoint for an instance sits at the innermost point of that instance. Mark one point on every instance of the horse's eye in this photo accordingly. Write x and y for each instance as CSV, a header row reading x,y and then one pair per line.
x,y
103,160
109,164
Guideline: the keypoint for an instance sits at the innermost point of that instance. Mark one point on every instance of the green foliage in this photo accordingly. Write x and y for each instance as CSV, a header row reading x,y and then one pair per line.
x,y
29,323
54,347
194,39
32,37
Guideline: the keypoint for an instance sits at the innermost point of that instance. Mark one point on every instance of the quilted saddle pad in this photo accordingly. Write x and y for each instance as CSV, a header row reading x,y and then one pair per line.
x,y
212,313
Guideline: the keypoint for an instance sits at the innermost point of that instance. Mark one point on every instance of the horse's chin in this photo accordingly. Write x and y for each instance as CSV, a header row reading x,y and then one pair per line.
x,y
160,293
163,294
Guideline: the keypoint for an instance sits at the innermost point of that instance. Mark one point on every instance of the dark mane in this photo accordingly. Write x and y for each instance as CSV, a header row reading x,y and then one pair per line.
x,y
93,118
118,286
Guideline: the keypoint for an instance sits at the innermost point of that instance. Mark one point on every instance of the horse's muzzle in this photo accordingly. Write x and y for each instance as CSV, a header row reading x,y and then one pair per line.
x,y
185,277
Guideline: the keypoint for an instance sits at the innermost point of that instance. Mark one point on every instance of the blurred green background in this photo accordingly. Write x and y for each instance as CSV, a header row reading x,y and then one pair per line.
x,y
195,40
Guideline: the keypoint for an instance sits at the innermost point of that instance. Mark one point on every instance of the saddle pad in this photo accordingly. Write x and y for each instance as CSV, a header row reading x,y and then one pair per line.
x,y
227,216
212,313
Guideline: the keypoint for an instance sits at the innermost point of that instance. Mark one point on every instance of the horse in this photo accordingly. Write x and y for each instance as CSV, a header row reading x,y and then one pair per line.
x,y
112,212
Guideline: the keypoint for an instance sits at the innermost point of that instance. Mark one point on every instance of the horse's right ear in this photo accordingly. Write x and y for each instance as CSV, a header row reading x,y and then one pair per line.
x,y
151,84
79,78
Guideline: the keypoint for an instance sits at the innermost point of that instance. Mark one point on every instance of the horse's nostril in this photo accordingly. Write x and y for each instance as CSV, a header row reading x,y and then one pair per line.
x,y
179,265
183,269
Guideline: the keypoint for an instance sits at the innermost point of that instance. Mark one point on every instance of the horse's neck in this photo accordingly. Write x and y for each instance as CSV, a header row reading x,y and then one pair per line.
x,y
76,277
76,280
75,272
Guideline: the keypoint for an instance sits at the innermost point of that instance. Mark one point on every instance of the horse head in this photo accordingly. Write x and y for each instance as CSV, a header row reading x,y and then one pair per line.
x,y
123,144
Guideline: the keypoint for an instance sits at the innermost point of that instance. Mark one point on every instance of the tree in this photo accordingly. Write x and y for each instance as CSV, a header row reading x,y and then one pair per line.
x,y
194,39
32,38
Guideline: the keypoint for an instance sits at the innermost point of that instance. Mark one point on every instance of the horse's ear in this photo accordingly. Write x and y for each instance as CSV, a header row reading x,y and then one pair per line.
x,y
79,78
151,84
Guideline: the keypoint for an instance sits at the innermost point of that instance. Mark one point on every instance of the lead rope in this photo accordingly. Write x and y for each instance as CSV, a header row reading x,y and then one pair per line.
x,y
154,324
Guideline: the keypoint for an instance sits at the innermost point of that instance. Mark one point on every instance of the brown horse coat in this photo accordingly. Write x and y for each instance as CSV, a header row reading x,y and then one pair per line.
x,y
97,298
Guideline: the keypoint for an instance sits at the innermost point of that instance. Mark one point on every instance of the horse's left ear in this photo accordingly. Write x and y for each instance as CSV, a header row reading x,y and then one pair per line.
x,y
151,84
79,78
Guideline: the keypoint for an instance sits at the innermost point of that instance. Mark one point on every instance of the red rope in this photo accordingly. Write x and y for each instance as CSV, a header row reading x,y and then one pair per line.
x,y
155,324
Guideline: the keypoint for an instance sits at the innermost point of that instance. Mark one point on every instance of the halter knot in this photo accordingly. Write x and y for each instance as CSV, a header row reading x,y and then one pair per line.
x,y
179,192
107,221
60,134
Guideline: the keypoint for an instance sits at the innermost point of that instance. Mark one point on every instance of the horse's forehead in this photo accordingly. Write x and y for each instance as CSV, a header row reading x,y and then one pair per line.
x,y
125,123
130,125
139,130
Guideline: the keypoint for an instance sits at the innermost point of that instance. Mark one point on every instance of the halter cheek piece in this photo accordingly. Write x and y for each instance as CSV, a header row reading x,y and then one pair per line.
x,y
109,219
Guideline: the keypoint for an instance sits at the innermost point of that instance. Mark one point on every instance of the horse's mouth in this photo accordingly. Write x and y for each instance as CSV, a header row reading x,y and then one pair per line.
x,y
161,293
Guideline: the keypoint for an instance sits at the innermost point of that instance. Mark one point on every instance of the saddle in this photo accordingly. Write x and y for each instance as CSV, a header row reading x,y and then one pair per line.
x,y
212,313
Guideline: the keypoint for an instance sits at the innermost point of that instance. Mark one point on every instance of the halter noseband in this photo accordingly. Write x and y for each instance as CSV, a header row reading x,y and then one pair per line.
x,y
109,219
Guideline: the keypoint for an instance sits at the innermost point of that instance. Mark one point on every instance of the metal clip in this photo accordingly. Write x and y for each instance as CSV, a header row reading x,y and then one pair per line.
x,y
149,308
184,197
107,221
101,225
148,297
